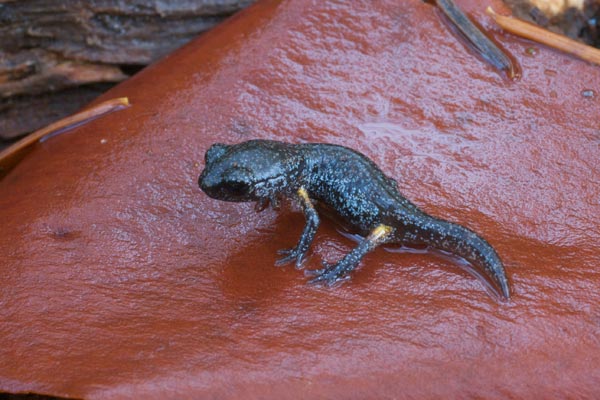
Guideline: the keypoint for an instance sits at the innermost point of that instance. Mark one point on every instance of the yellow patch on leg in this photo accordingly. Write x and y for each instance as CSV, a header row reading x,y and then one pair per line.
x,y
304,194
379,233
305,197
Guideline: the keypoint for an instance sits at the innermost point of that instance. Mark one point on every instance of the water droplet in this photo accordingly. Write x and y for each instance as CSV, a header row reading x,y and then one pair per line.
x,y
588,93
531,51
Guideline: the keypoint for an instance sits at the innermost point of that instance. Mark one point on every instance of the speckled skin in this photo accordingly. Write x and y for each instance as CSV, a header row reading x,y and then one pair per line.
x,y
348,183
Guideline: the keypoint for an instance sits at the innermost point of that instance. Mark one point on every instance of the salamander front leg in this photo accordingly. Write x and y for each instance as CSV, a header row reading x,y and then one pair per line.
x,y
308,234
333,273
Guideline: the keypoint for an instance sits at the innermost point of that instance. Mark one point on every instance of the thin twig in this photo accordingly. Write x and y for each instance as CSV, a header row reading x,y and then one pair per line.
x,y
544,36
488,50
11,156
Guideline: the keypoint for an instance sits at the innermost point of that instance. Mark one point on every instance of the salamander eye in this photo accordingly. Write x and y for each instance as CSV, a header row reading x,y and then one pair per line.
x,y
237,188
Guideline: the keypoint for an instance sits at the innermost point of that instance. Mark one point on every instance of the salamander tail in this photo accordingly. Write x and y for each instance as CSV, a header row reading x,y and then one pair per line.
x,y
463,242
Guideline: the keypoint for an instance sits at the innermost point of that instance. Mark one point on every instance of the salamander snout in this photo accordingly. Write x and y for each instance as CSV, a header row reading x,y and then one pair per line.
x,y
231,184
248,171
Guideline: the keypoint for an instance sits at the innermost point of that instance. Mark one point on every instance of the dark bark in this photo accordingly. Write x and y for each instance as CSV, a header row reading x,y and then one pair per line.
x,y
50,47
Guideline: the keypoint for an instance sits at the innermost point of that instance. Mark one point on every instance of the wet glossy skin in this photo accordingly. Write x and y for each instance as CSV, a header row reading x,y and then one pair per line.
x,y
351,185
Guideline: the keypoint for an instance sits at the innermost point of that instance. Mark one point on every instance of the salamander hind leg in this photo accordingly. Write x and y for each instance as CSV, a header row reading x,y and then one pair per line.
x,y
298,253
335,272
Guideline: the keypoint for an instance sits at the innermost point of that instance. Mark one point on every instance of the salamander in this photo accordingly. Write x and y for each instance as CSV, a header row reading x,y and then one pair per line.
x,y
350,184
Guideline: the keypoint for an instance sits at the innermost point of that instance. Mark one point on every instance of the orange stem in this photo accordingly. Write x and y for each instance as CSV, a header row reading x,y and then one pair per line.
x,y
11,156
544,36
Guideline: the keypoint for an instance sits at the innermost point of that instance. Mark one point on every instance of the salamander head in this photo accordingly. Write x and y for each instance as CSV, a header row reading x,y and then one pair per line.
x,y
241,172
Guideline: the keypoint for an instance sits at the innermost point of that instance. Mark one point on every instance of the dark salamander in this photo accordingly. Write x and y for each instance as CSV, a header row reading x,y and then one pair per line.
x,y
348,183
